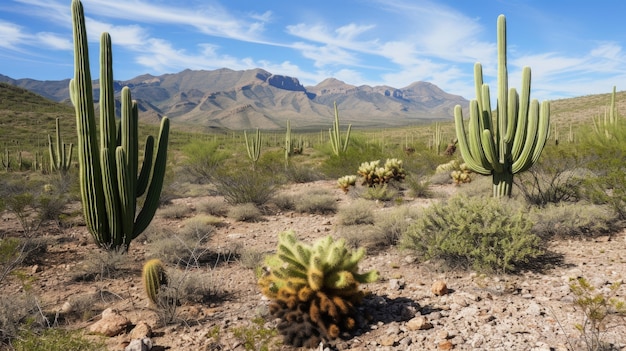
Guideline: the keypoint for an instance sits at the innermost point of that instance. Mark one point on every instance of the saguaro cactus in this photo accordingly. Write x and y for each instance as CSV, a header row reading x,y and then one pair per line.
x,y
108,171
520,132
60,157
253,146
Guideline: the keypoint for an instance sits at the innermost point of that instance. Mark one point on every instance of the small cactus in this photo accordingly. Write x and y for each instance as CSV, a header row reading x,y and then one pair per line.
x,y
373,174
153,277
346,182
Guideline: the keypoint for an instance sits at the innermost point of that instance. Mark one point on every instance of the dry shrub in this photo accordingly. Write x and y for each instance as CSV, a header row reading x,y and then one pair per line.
x,y
316,202
247,212
214,206
176,211
574,219
358,212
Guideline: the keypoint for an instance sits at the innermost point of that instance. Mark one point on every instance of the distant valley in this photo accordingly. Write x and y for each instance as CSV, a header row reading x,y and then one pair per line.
x,y
228,99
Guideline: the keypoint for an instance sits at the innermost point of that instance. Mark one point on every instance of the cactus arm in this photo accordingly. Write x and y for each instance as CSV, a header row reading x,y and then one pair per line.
x,y
525,159
469,156
146,166
156,181
544,130
524,105
107,97
92,194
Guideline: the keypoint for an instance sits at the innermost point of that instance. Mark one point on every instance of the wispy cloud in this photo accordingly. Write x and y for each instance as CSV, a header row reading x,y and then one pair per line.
x,y
11,35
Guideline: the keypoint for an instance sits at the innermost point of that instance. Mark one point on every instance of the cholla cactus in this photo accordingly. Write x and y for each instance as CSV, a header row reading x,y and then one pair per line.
x,y
461,175
346,182
373,174
314,288
448,167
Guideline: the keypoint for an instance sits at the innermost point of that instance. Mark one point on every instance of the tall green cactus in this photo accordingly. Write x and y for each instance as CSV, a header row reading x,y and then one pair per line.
x,y
60,157
520,132
108,171
253,146
338,146
607,124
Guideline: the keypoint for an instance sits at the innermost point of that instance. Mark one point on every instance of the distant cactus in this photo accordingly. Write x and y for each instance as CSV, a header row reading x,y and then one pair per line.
x,y
60,157
6,160
339,146
109,179
253,146
153,276
346,182
606,126
314,288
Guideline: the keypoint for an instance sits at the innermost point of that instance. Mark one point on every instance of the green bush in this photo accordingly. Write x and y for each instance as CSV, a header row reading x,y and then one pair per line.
x,y
242,186
384,192
486,234
202,160
56,339
359,151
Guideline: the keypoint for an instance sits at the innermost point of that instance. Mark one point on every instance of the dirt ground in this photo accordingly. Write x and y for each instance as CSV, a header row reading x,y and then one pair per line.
x,y
237,300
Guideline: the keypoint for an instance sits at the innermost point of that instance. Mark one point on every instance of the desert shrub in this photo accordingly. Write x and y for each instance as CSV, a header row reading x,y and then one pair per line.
x,y
557,177
250,258
15,311
56,339
100,265
202,160
301,174
245,213
185,247
285,202
574,220
390,225
240,187
599,307
417,187
358,212
213,206
384,192
316,201
359,236
175,211
358,151
608,188
486,234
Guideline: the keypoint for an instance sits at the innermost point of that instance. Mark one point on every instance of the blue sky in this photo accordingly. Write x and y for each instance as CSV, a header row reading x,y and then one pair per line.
x,y
574,47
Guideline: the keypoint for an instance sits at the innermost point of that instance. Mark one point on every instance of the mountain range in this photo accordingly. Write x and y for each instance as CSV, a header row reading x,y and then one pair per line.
x,y
256,98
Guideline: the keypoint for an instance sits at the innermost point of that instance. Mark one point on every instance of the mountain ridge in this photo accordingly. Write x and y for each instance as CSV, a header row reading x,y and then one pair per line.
x,y
256,98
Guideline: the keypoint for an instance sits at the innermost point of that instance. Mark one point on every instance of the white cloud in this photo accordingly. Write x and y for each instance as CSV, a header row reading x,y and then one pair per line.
x,y
54,41
11,35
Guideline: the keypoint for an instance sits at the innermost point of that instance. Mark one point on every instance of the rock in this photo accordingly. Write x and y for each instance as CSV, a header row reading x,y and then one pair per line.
x,y
439,288
112,323
396,284
67,307
418,323
144,344
445,345
141,331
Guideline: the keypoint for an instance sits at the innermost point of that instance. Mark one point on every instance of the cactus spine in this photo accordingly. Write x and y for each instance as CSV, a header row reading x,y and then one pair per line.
x,y
60,157
516,140
338,146
108,172
153,277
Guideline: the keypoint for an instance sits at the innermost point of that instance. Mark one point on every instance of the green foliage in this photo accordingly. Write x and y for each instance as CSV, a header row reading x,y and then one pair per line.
x,y
380,192
314,288
239,187
202,159
109,169
597,308
56,339
482,233
257,337
417,187
335,166
515,140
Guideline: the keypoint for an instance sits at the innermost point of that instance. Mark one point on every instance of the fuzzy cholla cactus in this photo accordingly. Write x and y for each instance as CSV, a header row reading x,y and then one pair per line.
x,y
373,174
461,175
346,182
314,288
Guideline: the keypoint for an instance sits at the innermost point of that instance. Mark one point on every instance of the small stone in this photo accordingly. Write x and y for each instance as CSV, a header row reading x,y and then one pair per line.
x,y
418,323
446,345
144,344
141,331
439,288
396,284
35,269
387,340
112,323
